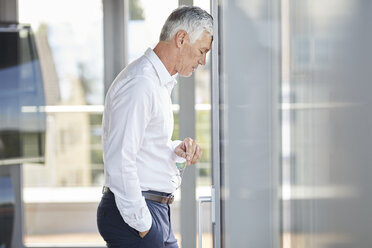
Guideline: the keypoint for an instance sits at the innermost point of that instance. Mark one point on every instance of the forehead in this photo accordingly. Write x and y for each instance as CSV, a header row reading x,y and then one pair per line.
x,y
204,41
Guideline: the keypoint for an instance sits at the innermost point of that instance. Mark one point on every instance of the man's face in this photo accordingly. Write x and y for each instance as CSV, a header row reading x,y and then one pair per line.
x,y
193,55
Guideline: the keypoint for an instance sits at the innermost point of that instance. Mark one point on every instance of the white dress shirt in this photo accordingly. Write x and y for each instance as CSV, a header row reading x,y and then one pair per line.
x,y
138,152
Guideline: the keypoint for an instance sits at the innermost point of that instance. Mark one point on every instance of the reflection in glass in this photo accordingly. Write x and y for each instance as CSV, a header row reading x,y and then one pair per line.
x,y
22,124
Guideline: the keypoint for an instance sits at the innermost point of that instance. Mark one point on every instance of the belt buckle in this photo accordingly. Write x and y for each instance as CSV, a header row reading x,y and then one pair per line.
x,y
170,199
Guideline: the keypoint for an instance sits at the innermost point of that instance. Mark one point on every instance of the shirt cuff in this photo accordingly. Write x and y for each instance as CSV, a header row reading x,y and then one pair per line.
x,y
177,158
145,223
138,216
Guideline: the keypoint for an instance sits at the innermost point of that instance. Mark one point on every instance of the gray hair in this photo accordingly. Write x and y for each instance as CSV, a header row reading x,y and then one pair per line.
x,y
191,19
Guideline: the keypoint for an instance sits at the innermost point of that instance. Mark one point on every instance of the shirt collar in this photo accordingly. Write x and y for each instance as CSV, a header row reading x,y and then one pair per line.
x,y
164,76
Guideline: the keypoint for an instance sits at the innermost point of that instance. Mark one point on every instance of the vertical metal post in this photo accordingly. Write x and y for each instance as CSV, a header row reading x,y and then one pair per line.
x,y
215,127
115,23
188,189
187,129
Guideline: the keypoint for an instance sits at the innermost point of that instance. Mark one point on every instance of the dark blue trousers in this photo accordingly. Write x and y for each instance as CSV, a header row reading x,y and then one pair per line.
x,y
117,233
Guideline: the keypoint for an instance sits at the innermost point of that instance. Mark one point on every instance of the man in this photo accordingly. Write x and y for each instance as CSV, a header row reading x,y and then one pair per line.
x,y
139,156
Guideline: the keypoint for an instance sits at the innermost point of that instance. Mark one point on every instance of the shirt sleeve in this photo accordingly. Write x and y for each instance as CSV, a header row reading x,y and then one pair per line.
x,y
131,110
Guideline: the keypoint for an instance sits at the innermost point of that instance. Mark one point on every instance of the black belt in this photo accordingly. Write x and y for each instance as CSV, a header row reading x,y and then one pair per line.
x,y
150,196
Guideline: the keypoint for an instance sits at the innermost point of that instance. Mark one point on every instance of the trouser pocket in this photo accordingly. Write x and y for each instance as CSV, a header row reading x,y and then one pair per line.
x,y
113,228
155,238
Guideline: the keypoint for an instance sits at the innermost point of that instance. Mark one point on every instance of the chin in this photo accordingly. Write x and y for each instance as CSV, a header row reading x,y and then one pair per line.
x,y
185,75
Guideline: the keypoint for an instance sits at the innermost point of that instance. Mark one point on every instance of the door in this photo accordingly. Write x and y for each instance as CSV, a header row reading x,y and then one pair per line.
x,y
245,124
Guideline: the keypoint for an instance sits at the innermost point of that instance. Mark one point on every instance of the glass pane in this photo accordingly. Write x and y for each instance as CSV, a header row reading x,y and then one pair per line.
x,y
203,110
22,127
328,196
61,197
250,128
203,136
146,20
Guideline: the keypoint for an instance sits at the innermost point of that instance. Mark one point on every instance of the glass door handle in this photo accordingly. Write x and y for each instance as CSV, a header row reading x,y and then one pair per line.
x,y
201,200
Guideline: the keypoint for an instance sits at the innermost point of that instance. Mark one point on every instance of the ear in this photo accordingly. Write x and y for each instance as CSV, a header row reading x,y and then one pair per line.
x,y
181,37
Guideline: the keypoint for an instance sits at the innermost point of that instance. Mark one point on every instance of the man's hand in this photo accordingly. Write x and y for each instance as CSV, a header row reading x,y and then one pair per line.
x,y
143,234
190,150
